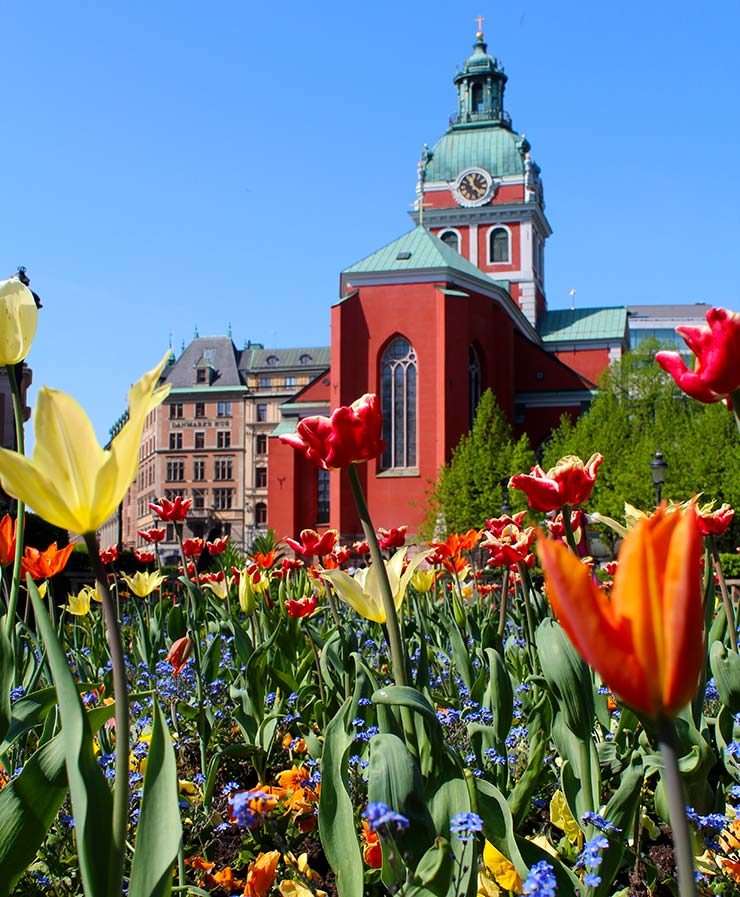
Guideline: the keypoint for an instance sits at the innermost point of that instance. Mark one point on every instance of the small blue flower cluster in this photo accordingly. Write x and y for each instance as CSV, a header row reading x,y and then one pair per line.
x,y
708,826
541,881
378,815
590,860
465,826
603,825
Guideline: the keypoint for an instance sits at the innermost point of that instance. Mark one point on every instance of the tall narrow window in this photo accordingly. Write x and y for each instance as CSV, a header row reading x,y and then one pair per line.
x,y
451,238
498,249
474,384
322,496
477,102
260,514
398,385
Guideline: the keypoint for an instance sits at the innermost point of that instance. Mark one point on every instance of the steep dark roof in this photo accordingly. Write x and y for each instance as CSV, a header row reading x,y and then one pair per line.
x,y
215,352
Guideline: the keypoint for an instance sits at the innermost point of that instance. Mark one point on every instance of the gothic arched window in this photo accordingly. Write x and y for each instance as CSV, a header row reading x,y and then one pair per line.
x,y
398,402
451,239
498,248
474,384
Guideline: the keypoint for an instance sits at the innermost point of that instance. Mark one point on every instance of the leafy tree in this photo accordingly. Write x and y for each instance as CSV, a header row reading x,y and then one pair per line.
x,y
637,411
469,488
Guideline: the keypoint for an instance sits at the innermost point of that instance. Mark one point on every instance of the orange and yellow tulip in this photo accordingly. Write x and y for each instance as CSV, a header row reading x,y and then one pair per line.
x,y
646,641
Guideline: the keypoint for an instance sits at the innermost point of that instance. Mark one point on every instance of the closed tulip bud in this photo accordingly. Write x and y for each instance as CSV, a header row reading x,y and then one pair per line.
x,y
18,319
179,653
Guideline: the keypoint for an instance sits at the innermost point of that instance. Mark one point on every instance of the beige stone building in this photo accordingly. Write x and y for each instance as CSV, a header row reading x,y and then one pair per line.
x,y
208,440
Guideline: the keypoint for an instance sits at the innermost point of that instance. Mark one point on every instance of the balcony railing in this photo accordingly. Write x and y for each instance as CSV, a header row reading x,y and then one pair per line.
x,y
470,117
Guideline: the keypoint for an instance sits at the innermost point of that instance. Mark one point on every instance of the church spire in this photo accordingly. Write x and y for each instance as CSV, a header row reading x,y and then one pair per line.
x,y
480,87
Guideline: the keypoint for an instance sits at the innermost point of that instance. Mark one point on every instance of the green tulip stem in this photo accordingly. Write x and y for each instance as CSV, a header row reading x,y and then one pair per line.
x,y
398,658
735,401
20,514
120,694
567,526
502,608
717,563
527,599
682,844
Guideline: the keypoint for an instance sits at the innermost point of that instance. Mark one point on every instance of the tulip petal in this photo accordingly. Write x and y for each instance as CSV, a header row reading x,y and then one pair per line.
x,y
21,479
351,591
408,573
586,614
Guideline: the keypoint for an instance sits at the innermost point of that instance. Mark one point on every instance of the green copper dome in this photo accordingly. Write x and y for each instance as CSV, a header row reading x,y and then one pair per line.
x,y
480,134
498,150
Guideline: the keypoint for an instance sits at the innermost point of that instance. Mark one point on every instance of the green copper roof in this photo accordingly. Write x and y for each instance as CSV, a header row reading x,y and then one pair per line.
x,y
492,147
418,250
569,324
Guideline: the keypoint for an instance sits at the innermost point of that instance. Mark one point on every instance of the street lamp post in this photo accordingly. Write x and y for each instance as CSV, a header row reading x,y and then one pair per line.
x,y
657,469
505,506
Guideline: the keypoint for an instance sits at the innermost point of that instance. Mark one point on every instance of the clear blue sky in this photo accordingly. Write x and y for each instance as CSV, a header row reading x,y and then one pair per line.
x,y
167,165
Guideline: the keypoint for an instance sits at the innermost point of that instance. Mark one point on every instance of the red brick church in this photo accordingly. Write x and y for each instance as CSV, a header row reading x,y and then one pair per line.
x,y
447,310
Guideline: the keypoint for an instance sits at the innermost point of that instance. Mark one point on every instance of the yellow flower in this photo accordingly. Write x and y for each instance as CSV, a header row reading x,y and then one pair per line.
x,y
71,481
220,587
362,591
562,818
143,584
246,593
79,605
423,580
501,868
18,319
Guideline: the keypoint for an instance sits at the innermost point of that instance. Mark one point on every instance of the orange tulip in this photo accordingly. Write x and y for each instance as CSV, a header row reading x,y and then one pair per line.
x,y
43,564
647,640
7,540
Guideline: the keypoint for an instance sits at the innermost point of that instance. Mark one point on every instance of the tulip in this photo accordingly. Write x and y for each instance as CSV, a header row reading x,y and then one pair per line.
x,y
172,511
395,537
219,586
218,546
44,564
568,483
71,481
265,560
647,641
717,349
79,605
511,546
363,592
247,600
153,535
108,555
179,653
352,434
7,540
714,523
423,580
144,557
303,607
193,548
312,543
261,874
143,584
18,319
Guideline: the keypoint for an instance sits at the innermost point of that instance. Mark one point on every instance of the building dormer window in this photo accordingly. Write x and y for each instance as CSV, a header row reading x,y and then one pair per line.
x,y
499,246
451,238
305,359
201,375
272,360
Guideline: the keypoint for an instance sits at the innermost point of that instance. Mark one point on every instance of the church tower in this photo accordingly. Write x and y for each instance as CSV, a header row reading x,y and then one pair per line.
x,y
480,191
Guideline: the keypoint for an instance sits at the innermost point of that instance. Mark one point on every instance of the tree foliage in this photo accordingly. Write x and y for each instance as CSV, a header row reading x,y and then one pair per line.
x,y
469,488
637,411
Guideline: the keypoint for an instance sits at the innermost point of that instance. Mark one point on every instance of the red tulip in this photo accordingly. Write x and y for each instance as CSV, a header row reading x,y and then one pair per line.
x,y
647,640
312,544
218,546
395,537
717,350
108,555
352,434
714,523
173,511
193,548
153,534
497,524
144,557
568,483
7,540
511,546
179,653
304,607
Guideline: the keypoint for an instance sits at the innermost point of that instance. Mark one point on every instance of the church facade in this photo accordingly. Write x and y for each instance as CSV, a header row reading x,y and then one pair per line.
x,y
453,307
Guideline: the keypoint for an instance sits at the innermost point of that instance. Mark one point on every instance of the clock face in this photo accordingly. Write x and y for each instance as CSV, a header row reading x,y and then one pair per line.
x,y
473,187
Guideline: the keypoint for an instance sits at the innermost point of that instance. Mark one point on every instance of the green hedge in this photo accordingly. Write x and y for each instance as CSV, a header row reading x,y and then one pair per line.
x,y
730,564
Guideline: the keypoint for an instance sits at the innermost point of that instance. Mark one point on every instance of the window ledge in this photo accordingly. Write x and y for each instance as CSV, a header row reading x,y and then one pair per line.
x,y
398,472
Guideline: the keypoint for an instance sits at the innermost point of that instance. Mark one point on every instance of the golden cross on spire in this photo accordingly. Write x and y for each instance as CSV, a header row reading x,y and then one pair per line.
x,y
480,20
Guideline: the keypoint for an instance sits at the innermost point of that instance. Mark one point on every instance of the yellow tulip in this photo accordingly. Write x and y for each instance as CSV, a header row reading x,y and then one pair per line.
x,y
18,319
220,587
71,481
362,591
562,818
423,580
247,600
79,605
143,584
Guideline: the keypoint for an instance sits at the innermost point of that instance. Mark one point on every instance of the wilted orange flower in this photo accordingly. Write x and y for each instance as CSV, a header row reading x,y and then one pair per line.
x,y
372,853
45,564
647,641
261,874
295,777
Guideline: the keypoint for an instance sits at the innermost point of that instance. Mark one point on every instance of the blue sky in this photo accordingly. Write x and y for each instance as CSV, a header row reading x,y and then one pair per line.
x,y
172,165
